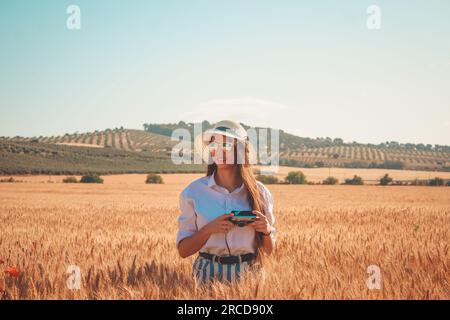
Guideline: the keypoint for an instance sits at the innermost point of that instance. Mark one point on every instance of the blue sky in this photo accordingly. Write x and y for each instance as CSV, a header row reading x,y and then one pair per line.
x,y
310,68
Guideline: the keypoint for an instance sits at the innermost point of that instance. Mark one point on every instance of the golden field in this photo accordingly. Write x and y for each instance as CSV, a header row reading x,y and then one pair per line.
x,y
122,236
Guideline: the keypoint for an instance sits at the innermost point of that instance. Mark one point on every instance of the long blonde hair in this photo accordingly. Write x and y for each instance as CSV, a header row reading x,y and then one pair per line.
x,y
254,197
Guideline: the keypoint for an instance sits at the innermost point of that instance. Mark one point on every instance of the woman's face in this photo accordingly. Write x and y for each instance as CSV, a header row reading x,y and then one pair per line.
x,y
221,150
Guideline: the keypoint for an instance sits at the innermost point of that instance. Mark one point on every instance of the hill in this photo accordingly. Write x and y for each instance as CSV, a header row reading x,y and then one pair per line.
x,y
104,152
122,150
326,152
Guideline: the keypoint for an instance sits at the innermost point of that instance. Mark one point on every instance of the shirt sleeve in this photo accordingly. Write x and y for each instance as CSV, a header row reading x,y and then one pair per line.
x,y
268,205
187,224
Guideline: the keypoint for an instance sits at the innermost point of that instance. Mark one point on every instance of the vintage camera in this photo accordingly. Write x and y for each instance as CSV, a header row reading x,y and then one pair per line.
x,y
242,217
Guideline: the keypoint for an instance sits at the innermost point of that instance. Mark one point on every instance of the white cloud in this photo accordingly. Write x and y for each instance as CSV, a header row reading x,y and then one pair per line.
x,y
248,110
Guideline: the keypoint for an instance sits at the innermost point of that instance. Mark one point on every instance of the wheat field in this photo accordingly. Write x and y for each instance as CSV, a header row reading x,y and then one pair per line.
x,y
122,237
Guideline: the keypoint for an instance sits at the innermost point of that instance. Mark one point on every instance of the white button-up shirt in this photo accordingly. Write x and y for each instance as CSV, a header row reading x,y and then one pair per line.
x,y
203,201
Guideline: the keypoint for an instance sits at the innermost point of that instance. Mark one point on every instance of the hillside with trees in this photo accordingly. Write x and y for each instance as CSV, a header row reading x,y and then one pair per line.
x,y
121,150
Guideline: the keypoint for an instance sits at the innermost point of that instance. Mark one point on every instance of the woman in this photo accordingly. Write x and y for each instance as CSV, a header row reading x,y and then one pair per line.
x,y
226,250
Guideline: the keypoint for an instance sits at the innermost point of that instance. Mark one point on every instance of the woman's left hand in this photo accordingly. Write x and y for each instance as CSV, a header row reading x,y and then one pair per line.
x,y
261,224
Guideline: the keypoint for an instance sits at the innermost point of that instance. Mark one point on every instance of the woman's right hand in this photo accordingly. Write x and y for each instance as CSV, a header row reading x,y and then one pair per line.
x,y
190,245
219,225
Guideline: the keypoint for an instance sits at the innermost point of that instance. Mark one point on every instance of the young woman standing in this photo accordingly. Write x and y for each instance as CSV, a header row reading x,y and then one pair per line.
x,y
225,250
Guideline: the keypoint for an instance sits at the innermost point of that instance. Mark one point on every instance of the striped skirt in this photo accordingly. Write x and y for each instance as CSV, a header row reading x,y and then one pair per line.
x,y
207,271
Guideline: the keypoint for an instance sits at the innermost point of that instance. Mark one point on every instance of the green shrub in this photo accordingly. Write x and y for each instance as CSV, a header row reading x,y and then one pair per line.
x,y
385,180
154,178
10,179
389,164
70,179
356,164
436,182
356,180
319,164
330,181
296,177
267,179
91,178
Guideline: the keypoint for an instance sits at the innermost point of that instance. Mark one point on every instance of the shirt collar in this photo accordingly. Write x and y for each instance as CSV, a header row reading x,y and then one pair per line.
x,y
211,180
212,183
